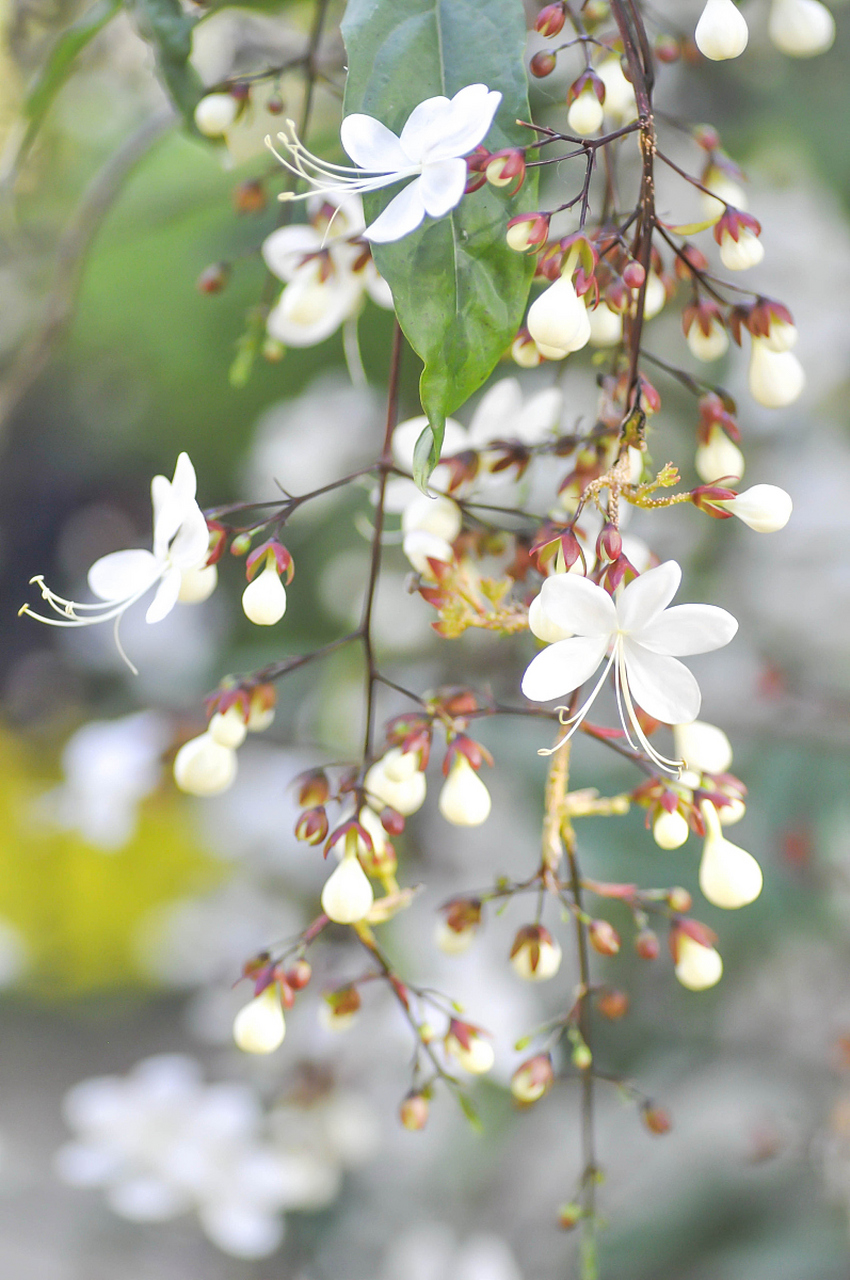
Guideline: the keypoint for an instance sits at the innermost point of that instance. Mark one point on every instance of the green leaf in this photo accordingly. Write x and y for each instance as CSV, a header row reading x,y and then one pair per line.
x,y
58,67
459,290
469,1111
169,30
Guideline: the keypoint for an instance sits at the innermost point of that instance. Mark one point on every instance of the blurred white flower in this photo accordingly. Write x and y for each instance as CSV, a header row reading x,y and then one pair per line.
x,y
430,1251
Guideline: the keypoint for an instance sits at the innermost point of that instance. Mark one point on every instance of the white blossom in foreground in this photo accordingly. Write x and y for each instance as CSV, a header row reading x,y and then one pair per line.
x,y
642,640
722,31
180,546
161,1143
327,274
801,28
729,877
430,148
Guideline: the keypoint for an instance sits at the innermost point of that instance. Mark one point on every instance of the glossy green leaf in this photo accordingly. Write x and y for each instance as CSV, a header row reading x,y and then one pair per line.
x,y
459,290
168,29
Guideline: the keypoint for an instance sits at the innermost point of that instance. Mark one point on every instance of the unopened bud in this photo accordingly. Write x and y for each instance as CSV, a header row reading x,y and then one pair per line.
x,y
215,114
613,1004
264,599
312,826
582,1056
347,896
213,278
414,1110
464,798
228,727
249,196
721,31
533,1078
647,945
542,64
603,937
203,767
299,974
259,1026
679,900
670,830
550,20
570,1215
656,1119
634,275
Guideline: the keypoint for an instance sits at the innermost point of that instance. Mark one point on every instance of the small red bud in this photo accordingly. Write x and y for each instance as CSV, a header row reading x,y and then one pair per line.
x,y
603,937
679,900
634,275
613,1005
414,1110
392,821
240,545
647,945
312,826
550,20
667,48
249,196
569,1215
275,105
299,974
542,64
213,278
656,1119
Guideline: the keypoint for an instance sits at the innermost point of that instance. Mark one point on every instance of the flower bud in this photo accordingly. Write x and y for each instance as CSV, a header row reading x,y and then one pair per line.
x,y
670,830
420,546
339,1009
527,231
613,1005
405,795
506,167
603,937
781,334
197,584
550,20
765,508
312,826
697,967
259,1026
213,278
620,105
535,955
723,192
633,275
261,705
581,1055
533,1078
347,896
204,767
586,113
647,945
721,31
678,899
542,64
215,114
801,28
464,799
438,516
570,1215
708,346
414,1110
655,296
457,932
525,351
775,378
228,727
718,458
606,326
729,877
741,254
249,196
299,974
656,1119
469,1048
558,321
264,599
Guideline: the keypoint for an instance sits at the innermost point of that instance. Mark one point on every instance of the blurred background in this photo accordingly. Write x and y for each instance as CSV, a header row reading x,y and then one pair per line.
x,y
128,909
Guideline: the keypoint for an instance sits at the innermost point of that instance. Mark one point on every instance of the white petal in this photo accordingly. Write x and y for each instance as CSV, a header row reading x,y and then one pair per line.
x,y
662,686
240,1229
497,411
688,628
402,215
123,574
575,604
539,417
310,309
442,186
648,595
283,251
147,1198
184,486
465,124
377,288
371,145
563,667
191,543
426,122
166,596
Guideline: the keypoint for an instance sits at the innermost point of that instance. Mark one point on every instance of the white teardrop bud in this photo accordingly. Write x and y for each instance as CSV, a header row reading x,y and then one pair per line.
x,y
775,378
781,335
741,254
198,584
215,114
655,297
347,896
557,319
708,346
697,967
478,1059
405,795
454,942
464,799
801,28
204,767
549,957
722,31
765,508
670,830
438,516
228,727
585,114
264,598
729,877
606,326
718,457
620,104
703,746
259,1026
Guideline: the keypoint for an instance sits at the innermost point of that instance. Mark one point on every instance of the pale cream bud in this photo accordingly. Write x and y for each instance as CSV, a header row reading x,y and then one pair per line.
x,y
347,896
731,813
330,1020
204,767
728,876
670,830
557,320
215,114
620,105
606,326
259,1026
722,31
549,957
197,584
698,967
708,346
741,254
585,114
718,457
228,728
405,795
781,336
454,942
438,516
478,1059
655,296
725,190
702,746
464,799
801,28
776,378
764,508
264,598
399,765
420,546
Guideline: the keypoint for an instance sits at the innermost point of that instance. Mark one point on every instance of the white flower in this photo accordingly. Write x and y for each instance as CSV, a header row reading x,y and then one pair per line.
x,y
775,378
721,31
642,639
801,28
439,132
180,545
326,272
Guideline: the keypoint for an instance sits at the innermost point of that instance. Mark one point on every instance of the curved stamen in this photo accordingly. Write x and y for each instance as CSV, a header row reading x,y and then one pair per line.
x,y
575,720
668,766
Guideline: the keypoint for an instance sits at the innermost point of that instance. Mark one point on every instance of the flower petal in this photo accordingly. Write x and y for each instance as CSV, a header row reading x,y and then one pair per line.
x,y
442,186
661,685
465,125
311,309
166,596
496,413
191,543
371,145
576,604
123,574
425,122
563,667
688,628
283,251
648,595
402,215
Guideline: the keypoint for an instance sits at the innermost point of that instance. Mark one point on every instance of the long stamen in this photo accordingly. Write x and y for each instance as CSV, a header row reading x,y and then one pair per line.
x,y
67,610
576,719
668,766
323,176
